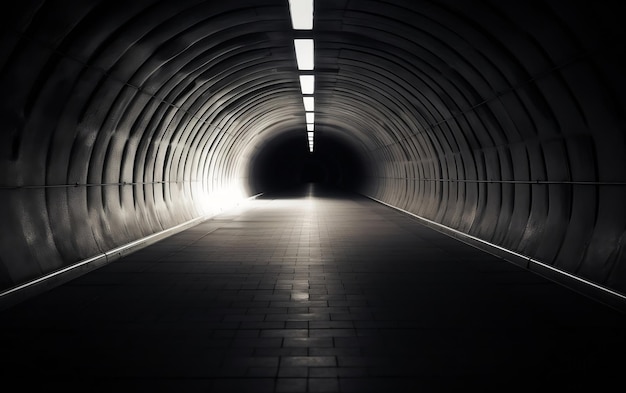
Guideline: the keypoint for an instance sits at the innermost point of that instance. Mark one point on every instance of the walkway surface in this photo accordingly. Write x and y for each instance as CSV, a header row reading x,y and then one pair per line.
x,y
310,292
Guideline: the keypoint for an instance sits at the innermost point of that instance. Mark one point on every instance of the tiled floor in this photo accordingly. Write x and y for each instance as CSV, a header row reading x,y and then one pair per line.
x,y
310,292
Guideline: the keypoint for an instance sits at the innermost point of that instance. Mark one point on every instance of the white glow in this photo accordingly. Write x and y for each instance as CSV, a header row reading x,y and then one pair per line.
x,y
222,199
307,84
301,14
310,126
310,117
304,53
310,137
309,104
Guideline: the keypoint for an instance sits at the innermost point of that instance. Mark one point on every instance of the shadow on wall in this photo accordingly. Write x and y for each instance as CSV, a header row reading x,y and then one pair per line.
x,y
285,162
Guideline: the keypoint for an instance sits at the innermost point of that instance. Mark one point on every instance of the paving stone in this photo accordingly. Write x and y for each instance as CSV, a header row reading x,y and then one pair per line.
x,y
323,385
308,342
293,372
291,385
308,361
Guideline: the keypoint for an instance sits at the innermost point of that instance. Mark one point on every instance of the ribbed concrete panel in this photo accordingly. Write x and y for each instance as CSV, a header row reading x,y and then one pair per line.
x,y
502,121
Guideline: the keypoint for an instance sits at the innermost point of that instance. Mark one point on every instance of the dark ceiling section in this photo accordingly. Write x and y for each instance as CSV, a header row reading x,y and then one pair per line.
x,y
503,120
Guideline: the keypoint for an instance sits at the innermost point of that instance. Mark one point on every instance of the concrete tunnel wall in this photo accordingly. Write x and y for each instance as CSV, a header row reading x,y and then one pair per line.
x,y
503,120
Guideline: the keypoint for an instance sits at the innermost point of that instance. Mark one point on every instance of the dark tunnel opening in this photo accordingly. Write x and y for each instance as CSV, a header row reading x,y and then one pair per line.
x,y
285,163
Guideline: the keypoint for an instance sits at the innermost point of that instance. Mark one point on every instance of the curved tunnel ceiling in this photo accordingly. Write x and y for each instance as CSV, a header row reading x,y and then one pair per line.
x,y
503,120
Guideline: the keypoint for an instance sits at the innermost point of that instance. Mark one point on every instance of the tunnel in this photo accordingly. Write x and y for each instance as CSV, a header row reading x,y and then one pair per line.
x,y
498,123
503,122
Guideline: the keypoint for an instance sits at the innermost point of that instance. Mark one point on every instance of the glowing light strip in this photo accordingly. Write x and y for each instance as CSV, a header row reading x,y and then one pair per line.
x,y
304,53
307,84
301,14
309,103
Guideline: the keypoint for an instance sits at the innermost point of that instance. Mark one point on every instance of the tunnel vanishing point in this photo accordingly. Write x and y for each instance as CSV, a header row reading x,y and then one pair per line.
x,y
498,122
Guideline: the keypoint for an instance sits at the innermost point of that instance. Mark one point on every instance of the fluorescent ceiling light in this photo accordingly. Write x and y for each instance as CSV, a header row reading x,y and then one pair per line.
x,y
304,53
310,117
309,104
310,134
310,126
311,147
307,84
301,14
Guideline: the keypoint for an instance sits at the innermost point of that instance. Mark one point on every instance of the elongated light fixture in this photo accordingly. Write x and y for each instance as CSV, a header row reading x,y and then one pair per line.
x,y
309,103
302,19
304,53
307,84
301,14
311,141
